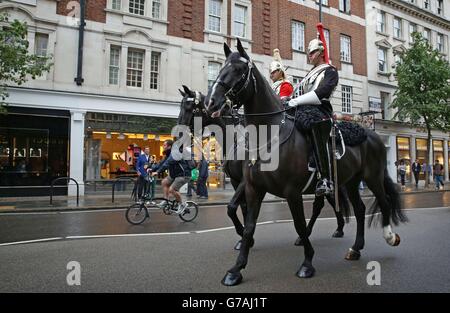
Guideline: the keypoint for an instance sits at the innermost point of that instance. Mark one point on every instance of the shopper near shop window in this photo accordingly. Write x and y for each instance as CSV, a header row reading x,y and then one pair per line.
x,y
416,168
402,172
142,168
438,169
202,190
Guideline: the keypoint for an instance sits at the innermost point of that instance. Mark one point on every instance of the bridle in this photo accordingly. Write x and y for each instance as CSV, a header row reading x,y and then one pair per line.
x,y
234,91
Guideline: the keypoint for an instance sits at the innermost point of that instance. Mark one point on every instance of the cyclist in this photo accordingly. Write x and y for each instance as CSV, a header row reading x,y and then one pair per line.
x,y
179,174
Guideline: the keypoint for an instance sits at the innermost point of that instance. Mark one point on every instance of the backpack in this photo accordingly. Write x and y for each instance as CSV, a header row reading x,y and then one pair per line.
x,y
194,174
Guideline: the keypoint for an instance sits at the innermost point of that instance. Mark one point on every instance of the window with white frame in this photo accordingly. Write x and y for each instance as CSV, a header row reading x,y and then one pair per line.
x,y
240,17
397,27
155,62
41,44
215,15
135,67
297,89
326,33
344,6
213,72
426,4
324,2
137,7
412,29
381,21
347,97
116,4
346,48
114,65
440,7
427,34
156,9
382,64
298,36
440,42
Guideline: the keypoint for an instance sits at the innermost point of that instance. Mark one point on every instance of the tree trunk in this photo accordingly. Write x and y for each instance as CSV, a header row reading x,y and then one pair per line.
x,y
430,158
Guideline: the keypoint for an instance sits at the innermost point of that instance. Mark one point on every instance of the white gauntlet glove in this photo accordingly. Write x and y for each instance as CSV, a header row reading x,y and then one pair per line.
x,y
307,98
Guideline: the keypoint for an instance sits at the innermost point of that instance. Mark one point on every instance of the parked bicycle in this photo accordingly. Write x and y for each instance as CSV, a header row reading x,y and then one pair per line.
x,y
138,212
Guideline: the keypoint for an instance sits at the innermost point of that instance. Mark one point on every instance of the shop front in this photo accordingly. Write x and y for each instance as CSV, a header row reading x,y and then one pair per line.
x,y
34,147
114,142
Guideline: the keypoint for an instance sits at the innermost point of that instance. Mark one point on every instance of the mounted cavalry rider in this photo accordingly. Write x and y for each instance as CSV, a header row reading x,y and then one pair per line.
x,y
315,115
281,85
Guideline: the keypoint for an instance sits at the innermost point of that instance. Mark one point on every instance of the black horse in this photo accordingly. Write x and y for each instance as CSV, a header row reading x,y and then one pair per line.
x,y
193,105
239,81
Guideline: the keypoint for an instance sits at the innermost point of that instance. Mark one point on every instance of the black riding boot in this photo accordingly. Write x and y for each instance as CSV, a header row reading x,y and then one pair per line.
x,y
320,135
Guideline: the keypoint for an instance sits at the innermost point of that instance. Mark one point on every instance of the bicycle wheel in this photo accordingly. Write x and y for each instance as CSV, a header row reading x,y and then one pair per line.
x,y
136,213
190,212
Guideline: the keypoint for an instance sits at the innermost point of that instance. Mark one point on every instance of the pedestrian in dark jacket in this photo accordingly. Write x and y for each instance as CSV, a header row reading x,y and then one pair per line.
x,y
438,170
203,173
416,168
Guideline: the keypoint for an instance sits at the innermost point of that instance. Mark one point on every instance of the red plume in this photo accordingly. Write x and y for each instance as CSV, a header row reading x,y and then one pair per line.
x,y
322,38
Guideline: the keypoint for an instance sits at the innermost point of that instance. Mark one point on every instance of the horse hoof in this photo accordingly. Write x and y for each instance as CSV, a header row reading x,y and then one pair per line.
x,y
299,242
352,255
397,240
232,279
338,234
306,271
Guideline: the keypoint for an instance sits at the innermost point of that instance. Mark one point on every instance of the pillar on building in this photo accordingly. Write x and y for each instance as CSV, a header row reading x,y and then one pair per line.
x,y
392,157
76,151
446,159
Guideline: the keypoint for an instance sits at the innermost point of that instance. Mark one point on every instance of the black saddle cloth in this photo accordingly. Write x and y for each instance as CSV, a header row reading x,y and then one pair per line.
x,y
306,115
352,133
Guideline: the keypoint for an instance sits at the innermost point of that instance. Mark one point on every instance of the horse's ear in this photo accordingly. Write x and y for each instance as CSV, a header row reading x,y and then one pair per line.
x,y
187,90
182,93
226,49
242,50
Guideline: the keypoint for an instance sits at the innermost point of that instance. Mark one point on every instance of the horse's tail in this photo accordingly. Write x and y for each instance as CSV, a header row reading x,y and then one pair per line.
x,y
393,199
344,205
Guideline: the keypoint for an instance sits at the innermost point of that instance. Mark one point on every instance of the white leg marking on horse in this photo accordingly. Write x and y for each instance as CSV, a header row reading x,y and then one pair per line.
x,y
388,235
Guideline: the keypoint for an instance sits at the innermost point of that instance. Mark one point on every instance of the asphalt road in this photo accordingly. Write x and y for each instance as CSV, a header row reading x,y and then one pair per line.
x,y
30,226
195,258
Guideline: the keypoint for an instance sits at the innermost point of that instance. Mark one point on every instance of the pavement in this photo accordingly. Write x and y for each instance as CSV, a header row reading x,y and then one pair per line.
x,y
102,199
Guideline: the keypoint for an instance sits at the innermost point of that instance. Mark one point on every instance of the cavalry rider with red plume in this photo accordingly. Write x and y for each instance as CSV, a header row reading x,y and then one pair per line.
x,y
281,85
315,116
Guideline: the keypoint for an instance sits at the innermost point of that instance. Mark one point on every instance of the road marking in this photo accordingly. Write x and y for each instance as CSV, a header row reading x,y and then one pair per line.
x,y
127,235
30,241
213,229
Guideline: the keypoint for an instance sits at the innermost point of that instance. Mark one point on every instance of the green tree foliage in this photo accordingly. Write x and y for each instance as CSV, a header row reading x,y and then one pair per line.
x,y
17,65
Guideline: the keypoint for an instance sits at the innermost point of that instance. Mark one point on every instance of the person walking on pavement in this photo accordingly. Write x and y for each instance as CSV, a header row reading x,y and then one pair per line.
x,y
202,190
416,168
438,169
402,172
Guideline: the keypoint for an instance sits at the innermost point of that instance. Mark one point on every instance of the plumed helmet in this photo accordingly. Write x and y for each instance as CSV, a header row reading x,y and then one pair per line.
x,y
276,63
314,45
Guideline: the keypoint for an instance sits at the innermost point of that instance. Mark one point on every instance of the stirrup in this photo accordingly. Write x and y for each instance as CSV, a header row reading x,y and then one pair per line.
x,y
324,188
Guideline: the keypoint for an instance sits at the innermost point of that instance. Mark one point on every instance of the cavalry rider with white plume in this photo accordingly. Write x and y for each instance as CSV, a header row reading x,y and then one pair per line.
x,y
315,116
281,85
